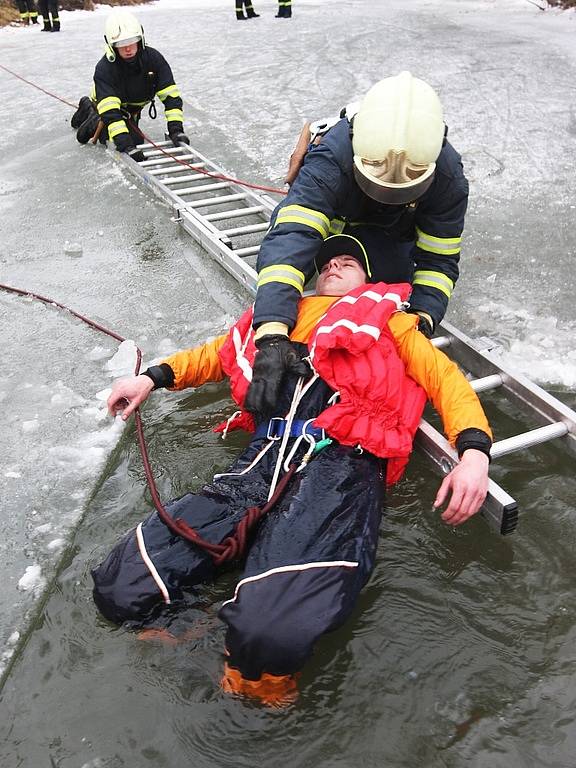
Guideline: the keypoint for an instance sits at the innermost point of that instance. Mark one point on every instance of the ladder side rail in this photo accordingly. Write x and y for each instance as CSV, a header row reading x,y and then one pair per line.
x,y
545,407
151,182
224,255
500,510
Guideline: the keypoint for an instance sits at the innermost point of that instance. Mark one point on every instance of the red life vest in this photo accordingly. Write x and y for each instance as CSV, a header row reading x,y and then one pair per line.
x,y
237,357
353,350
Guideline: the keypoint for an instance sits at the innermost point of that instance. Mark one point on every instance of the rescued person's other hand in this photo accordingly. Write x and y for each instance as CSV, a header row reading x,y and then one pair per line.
x,y
275,357
127,394
468,485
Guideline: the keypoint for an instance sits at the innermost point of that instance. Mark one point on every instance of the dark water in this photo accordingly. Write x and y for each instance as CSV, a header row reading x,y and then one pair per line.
x,y
461,650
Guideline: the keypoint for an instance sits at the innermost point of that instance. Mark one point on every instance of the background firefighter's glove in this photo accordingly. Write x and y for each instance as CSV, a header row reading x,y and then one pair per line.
x,y
425,323
179,138
136,154
275,358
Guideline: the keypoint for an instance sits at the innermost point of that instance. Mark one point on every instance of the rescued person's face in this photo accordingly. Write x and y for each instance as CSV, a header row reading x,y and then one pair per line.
x,y
339,275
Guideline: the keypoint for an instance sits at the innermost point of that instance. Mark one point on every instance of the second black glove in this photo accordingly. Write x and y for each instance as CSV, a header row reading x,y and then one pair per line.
x,y
136,154
179,138
275,358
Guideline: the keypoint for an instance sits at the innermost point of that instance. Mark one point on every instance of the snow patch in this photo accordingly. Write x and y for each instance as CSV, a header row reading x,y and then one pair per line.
x,y
32,581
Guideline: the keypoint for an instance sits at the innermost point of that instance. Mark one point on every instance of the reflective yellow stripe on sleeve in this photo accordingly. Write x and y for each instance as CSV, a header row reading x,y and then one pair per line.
x,y
108,103
434,280
174,114
282,273
170,90
337,226
114,129
297,214
448,246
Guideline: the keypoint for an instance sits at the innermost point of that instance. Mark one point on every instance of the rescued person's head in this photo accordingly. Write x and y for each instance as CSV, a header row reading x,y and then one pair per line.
x,y
342,265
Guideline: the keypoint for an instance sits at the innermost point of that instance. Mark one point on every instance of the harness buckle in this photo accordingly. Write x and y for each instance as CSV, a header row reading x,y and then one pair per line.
x,y
276,428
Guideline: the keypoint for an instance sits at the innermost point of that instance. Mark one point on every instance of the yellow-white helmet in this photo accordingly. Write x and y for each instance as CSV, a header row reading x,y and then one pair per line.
x,y
122,28
397,136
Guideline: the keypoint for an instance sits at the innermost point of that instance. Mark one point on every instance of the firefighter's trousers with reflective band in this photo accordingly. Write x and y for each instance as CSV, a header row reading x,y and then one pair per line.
x,y
307,561
46,7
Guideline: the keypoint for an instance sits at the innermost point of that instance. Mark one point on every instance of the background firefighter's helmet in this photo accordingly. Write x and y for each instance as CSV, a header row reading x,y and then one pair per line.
x,y
122,28
397,137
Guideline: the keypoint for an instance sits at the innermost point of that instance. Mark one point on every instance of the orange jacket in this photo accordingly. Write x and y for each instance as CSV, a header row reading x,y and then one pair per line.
x,y
441,379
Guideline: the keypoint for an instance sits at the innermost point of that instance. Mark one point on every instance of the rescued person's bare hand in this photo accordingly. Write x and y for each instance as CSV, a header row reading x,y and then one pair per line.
x,y
127,394
467,486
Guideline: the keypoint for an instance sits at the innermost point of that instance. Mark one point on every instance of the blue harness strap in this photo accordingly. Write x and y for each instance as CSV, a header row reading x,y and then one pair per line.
x,y
276,428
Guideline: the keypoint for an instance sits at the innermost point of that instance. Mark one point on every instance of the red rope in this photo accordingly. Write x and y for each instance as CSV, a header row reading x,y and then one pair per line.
x,y
222,177
48,93
233,546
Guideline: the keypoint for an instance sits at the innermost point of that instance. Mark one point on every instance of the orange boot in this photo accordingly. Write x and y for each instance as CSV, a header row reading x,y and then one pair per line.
x,y
272,690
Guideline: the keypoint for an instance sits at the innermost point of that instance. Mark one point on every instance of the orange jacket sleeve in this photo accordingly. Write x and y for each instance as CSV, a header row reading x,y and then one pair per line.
x,y
441,379
197,366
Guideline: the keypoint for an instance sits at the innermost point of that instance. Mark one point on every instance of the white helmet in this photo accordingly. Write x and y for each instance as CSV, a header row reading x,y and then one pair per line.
x,y
397,136
122,28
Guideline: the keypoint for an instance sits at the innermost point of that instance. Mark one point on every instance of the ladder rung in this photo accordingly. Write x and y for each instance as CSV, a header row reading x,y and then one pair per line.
x,y
176,169
203,188
215,201
486,383
146,145
165,161
187,177
250,251
178,179
164,151
234,213
246,230
528,439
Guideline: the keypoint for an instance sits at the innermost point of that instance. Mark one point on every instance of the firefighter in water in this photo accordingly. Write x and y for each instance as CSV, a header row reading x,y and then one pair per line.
x,y
310,555
387,174
128,77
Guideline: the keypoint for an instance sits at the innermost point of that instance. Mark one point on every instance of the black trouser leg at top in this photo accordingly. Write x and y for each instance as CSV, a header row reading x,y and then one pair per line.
x,y
284,9
250,12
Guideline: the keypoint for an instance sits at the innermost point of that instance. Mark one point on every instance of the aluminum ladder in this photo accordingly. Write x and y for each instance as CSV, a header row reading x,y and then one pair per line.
x,y
230,221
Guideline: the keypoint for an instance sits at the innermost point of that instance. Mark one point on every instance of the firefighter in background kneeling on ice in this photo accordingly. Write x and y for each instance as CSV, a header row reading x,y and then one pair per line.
x,y
311,554
127,78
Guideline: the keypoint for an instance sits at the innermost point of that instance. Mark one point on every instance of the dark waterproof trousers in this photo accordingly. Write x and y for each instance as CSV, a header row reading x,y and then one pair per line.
x,y
47,9
306,563
284,9
27,9
247,4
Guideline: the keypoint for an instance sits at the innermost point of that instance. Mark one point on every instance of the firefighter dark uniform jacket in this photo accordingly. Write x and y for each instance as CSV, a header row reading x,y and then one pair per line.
x,y
324,199
122,87
441,380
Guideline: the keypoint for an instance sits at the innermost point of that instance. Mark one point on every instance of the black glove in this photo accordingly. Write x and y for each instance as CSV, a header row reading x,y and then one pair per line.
x,y
275,358
424,324
136,154
179,138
